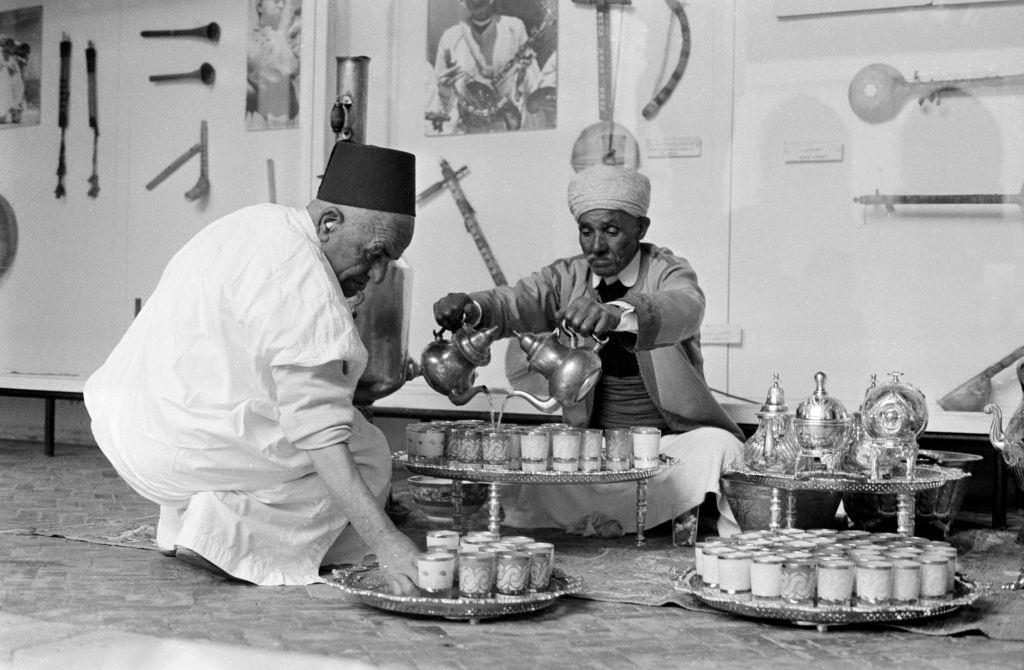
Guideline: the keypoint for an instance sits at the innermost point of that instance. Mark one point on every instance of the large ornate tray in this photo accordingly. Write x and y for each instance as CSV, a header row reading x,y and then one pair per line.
x,y
365,583
547,477
925,478
966,592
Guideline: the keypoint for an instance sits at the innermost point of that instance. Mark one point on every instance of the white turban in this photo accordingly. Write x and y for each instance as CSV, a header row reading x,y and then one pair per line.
x,y
608,187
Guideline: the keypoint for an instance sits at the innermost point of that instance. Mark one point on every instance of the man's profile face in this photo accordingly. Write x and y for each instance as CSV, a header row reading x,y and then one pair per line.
x,y
609,238
359,251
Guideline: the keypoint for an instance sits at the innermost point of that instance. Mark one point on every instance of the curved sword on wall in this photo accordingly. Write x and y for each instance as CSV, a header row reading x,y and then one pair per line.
x,y
651,109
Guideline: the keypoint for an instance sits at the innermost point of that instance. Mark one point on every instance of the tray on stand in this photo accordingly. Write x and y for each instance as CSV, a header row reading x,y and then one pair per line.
x,y
495,478
366,584
965,592
925,478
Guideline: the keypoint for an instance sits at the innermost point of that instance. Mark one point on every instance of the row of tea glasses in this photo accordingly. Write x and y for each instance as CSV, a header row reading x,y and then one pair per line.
x,y
873,441
474,445
481,564
828,568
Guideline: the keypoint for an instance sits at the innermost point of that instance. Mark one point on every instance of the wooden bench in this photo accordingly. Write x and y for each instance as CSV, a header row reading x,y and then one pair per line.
x,y
50,388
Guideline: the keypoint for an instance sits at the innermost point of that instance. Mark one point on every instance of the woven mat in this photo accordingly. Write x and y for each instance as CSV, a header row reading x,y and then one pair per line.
x,y
132,533
614,570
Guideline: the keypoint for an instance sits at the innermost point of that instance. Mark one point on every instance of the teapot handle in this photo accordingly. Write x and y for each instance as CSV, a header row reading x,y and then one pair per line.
x,y
577,338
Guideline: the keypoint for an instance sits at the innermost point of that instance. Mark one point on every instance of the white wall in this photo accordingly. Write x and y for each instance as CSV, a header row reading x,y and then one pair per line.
x,y
814,280
81,262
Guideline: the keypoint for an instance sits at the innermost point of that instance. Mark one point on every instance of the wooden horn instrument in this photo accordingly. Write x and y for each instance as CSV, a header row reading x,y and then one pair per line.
x,y
210,31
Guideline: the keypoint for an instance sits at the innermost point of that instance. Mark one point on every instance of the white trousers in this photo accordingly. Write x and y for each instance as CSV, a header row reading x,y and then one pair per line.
x,y
703,454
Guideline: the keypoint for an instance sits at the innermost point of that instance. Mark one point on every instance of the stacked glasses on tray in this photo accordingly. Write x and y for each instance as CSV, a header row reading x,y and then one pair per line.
x,y
481,565
827,568
555,447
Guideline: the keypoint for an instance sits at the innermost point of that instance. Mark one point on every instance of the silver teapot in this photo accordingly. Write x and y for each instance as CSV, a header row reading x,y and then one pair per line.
x,y
449,366
572,371
769,447
1010,442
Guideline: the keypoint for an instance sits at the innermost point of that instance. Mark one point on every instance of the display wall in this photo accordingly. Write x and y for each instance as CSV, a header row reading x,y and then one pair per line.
x,y
755,160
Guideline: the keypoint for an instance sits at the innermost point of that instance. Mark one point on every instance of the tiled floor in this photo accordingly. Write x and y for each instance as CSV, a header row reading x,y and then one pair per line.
x,y
68,604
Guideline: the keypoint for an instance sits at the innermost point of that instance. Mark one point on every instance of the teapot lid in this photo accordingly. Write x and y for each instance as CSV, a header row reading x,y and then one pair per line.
x,y
475,345
775,402
820,406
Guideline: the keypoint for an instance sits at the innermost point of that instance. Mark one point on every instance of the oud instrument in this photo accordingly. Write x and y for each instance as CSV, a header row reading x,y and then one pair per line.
x,y
973,394
605,142
878,92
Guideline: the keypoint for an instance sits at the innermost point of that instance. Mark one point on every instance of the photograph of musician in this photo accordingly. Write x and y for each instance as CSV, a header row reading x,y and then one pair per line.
x,y
20,36
273,59
646,300
487,63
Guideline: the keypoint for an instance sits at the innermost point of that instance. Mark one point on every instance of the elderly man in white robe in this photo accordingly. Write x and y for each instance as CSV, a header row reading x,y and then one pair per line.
x,y
229,400
647,301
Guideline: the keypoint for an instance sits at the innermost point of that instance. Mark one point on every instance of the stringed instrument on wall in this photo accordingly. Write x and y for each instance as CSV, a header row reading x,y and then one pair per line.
x,y
605,142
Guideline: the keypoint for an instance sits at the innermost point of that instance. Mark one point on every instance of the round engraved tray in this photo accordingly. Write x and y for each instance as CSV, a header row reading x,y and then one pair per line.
x,y
365,583
965,593
546,477
925,477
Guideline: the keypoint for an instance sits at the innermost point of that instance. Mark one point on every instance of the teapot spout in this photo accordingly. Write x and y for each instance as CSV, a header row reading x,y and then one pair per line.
x,y
461,398
549,405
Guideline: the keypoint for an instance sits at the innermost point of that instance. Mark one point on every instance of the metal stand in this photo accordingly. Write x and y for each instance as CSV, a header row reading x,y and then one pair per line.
x,y
495,478
924,478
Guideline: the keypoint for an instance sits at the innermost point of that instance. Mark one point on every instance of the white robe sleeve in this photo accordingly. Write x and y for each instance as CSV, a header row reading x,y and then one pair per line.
x,y
315,404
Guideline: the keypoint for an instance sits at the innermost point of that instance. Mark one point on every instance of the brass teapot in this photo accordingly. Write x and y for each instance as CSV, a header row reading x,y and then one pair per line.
x,y
571,371
449,366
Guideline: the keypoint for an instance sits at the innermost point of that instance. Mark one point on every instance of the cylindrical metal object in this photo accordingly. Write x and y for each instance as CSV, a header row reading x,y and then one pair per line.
x,y
348,118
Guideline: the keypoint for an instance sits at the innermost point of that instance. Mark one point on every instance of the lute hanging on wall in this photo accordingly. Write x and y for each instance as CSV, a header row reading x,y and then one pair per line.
x,y
878,91
605,142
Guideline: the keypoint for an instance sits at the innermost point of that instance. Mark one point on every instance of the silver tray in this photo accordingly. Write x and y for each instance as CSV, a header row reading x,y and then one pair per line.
x,y
547,477
965,593
366,584
925,477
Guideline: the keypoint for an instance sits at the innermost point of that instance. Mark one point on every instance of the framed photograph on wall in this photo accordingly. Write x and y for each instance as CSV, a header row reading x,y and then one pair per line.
x,y
272,65
21,36
493,64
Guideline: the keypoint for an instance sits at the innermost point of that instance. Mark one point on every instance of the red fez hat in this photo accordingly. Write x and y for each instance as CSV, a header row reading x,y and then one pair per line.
x,y
362,175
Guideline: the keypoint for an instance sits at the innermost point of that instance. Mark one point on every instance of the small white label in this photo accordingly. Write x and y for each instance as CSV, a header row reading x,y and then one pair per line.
x,y
720,333
670,146
813,152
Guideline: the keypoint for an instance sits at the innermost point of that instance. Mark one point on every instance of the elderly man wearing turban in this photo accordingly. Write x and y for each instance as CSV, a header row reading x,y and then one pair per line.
x,y
646,300
229,400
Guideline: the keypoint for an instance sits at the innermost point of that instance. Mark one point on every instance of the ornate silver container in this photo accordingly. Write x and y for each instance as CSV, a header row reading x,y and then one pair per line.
x,y
820,426
892,416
